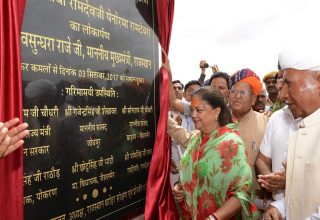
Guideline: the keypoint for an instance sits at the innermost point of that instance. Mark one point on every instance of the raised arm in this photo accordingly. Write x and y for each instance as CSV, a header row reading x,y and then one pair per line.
x,y
203,71
177,132
175,103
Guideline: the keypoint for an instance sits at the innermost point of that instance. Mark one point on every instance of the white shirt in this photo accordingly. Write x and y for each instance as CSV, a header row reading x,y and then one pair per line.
x,y
274,144
275,141
187,123
176,149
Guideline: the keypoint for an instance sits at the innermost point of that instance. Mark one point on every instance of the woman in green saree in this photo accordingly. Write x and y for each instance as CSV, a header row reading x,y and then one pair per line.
x,y
215,177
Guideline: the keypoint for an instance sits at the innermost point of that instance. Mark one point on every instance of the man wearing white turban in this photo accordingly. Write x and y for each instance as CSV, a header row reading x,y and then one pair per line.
x,y
301,91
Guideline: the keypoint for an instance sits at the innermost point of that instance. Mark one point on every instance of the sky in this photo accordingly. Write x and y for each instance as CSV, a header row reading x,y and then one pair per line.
x,y
233,34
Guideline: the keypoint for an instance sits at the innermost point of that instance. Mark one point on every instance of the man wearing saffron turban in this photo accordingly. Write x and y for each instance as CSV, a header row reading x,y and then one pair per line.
x,y
245,86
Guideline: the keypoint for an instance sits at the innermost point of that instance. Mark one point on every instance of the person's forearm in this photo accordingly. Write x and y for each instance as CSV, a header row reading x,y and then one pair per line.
x,y
279,205
178,106
175,103
263,164
229,209
178,133
202,78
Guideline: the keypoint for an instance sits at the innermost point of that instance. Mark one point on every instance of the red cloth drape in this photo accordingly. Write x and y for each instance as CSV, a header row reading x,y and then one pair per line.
x,y
159,201
11,168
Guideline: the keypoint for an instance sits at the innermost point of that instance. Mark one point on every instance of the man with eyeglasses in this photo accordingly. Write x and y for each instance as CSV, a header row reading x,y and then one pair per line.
x,y
183,120
178,88
245,86
175,149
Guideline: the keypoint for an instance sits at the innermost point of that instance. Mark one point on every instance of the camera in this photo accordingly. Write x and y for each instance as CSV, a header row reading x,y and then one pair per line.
x,y
206,65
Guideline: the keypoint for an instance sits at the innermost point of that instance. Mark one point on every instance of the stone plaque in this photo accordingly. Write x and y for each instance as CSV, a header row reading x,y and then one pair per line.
x,y
88,82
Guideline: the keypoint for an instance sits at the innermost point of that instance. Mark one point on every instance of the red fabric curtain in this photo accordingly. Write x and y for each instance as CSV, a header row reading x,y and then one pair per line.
x,y
159,200
11,167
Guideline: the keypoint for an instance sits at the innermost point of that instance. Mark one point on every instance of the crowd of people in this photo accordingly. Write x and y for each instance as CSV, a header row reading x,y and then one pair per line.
x,y
240,151
249,152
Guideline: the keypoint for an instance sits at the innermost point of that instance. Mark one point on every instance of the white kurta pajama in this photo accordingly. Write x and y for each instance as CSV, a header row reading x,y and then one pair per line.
x,y
302,195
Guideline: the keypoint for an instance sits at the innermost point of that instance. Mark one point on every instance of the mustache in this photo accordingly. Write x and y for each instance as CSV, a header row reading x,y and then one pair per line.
x,y
258,102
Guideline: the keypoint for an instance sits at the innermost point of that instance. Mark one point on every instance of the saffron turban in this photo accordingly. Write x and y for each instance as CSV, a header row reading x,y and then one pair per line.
x,y
270,75
247,76
301,54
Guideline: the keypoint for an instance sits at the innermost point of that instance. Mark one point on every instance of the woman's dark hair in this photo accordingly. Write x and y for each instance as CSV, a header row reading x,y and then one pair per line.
x,y
215,99
222,75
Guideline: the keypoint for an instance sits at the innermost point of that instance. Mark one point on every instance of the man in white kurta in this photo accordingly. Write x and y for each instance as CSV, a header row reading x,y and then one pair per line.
x,y
303,169
301,91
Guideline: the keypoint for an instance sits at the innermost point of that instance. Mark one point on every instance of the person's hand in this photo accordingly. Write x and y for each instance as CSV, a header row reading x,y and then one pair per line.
x,y
273,181
178,119
166,64
173,167
267,113
178,193
202,66
11,136
272,213
215,69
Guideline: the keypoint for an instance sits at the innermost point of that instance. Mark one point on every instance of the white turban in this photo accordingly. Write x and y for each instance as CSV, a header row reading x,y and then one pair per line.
x,y
302,45
301,56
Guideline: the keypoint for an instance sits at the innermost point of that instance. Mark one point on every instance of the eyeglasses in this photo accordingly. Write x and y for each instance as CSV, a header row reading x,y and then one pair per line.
x,y
241,92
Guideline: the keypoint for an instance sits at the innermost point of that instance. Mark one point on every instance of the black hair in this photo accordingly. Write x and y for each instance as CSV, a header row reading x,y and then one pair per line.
x,y
279,67
215,99
178,81
223,75
190,83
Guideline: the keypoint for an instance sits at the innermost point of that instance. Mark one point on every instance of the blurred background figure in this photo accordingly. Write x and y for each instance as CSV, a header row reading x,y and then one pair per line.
x,y
184,121
190,87
270,83
261,101
220,81
178,88
203,66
